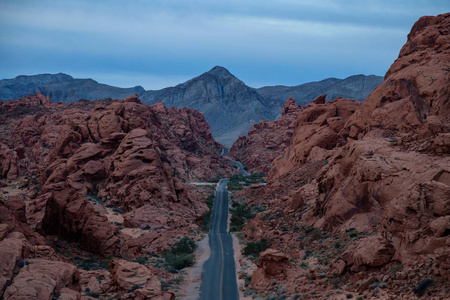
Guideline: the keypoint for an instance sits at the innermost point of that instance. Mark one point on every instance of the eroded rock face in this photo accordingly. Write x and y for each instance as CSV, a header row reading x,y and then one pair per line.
x,y
123,153
8,158
272,265
134,277
372,176
317,130
266,140
72,216
42,279
107,177
416,86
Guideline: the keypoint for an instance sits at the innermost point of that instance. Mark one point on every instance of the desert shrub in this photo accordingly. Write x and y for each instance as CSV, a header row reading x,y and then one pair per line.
x,y
184,246
206,218
240,214
255,248
179,261
180,255
422,286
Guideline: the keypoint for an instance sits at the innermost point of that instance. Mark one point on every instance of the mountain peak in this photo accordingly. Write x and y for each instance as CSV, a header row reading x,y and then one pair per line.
x,y
220,72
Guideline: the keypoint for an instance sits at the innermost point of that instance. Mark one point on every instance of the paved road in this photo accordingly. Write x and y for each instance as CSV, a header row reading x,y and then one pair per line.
x,y
219,276
240,167
238,164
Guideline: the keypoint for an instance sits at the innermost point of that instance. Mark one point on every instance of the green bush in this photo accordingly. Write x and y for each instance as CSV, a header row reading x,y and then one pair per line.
x,y
255,248
234,185
206,221
180,255
206,218
240,214
184,246
179,261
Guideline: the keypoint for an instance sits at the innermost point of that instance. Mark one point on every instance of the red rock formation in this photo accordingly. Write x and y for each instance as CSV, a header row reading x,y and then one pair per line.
x,y
88,169
317,126
43,279
131,276
383,188
414,94
266,140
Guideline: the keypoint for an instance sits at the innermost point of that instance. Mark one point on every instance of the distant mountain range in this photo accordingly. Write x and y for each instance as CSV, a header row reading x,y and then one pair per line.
x,y
229,105
356,87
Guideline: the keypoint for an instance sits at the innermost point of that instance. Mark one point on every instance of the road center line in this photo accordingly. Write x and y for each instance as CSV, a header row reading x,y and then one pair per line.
x,y
221,247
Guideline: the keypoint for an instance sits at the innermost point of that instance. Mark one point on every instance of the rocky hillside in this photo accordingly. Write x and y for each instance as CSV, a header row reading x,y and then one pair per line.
x,y
61,88
354,87
266,140
230,106
90,180
358,203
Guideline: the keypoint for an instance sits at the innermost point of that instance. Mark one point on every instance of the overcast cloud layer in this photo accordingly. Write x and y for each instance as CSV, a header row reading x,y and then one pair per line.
x,y
161,43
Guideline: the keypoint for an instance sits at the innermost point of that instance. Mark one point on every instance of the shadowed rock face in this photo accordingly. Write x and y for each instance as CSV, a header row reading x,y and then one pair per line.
x,y
266,140
377,172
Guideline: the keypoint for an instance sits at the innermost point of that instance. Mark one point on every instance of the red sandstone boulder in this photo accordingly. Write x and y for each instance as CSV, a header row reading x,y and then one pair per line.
x,y
371,251
43,279
72,216
138,278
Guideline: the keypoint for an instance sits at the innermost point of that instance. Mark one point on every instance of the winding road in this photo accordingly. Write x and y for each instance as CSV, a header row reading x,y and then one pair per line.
x,y
219,275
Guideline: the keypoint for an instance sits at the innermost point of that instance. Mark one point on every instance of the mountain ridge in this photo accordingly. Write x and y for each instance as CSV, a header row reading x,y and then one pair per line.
x,y
230,106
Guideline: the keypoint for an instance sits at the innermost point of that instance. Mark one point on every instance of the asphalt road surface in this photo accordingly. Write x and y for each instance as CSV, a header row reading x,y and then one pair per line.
x,y
219,275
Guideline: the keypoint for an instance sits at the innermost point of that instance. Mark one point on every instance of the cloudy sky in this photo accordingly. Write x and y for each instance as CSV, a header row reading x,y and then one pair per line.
x,y
160,43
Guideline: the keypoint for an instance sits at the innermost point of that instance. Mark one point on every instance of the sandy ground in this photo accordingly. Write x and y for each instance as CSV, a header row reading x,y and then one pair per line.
x,y
242,265
190,287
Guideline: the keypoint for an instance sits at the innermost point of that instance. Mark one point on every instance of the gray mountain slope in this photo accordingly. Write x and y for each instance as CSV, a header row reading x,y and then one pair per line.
x,y
61,88
354,87
230,107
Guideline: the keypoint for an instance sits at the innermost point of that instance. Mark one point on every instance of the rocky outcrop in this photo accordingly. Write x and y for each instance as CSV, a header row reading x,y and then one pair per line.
x,y
44,279
73,217
272,265
316,131
414,94
266,140
368,184
8,158
137,280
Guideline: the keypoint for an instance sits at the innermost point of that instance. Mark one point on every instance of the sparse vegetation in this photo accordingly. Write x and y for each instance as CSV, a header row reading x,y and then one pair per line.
x,y
422,286
240,214
181,254
206,218
255,248
237,182
91,263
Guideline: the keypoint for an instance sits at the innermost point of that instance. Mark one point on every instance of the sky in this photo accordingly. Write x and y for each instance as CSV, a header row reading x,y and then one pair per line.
x,y
160,43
